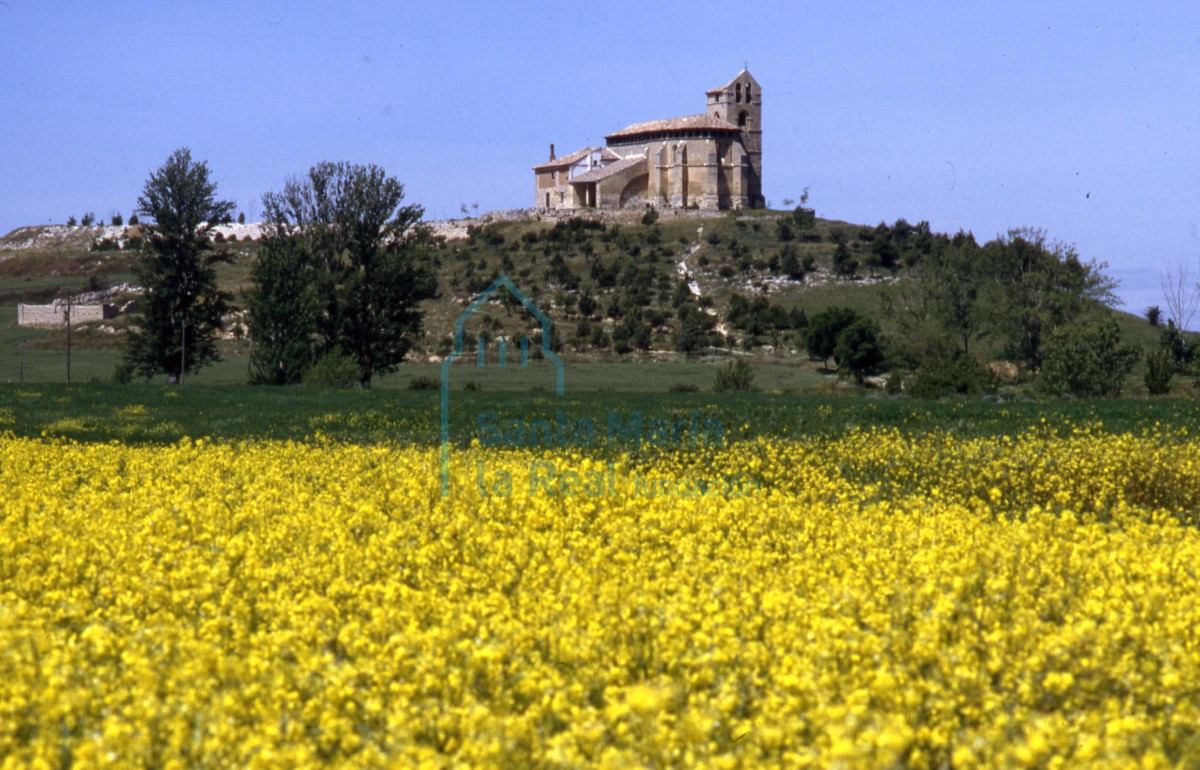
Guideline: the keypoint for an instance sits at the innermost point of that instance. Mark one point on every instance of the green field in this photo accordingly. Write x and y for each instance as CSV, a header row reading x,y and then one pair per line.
x,y
165,414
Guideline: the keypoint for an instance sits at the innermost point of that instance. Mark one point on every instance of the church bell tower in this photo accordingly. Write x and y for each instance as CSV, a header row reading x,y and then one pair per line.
x,y
740,102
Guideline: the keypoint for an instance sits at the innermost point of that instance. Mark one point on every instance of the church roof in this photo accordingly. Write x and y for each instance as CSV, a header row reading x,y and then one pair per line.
x,y
566,160
743,76
689,123
603,172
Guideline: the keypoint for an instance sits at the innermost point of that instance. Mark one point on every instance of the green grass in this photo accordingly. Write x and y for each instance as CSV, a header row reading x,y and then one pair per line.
x,y
164,414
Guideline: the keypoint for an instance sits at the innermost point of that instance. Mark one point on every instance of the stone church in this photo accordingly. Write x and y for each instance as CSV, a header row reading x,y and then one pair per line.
x,y
707,161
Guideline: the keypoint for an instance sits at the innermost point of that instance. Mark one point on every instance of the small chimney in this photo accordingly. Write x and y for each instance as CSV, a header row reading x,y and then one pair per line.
x,y
552,151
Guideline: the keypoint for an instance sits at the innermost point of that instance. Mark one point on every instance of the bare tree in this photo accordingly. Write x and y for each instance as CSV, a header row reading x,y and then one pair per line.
x,y
1181,294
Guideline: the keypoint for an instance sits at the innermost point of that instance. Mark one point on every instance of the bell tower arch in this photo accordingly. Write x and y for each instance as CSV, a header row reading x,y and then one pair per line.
x,y
739,102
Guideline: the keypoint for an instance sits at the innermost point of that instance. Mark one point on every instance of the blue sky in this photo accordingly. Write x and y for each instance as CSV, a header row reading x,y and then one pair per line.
x,y
1082,118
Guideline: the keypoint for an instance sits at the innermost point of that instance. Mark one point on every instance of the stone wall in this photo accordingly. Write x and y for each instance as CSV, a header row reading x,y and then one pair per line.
x,y
55,314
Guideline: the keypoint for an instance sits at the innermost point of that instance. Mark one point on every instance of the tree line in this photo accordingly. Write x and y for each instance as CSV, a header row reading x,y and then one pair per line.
x,y
344,262
342,266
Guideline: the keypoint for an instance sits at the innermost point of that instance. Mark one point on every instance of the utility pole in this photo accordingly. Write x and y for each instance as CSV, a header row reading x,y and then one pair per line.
x,y
68,339
183,350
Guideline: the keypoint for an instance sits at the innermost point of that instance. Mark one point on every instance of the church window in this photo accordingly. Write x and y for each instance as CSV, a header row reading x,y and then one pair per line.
x,y
737,90
742,119
747,93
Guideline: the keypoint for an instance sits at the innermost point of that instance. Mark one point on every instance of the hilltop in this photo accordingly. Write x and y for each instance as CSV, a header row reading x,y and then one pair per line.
x,y
613,282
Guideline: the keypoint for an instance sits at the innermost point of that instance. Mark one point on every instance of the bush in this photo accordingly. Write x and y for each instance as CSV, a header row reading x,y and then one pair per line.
x,y
683,387
88,220
858,349
1087,362
71,221
951,374
804,218
333,370
1159,369
737,376
117,219
821,336
650,217
790,264
96,282
133,220
424,382
843,263
690,337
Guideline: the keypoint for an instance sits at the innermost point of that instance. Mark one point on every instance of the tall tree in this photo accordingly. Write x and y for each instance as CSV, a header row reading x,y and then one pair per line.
x,y
1181,294
1038,287
952,279
176,326
368,254
282,312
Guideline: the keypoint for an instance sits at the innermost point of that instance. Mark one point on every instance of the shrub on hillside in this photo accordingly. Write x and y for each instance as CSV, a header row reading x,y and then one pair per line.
x,y
843,263
804,218
859,350
952,374
1159,370
1087,362
820,338
736,376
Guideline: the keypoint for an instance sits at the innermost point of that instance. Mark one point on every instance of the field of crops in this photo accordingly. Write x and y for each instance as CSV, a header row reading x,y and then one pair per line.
x,y
867,598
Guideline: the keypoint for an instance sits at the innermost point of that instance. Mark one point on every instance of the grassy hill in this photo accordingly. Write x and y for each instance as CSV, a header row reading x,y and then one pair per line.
x,y
628,268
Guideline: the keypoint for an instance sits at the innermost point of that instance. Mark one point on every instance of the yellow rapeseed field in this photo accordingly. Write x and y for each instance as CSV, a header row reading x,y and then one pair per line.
x,y
870,600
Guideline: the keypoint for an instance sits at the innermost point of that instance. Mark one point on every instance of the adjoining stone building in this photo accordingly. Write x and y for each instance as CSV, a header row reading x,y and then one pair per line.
x,y
707,161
